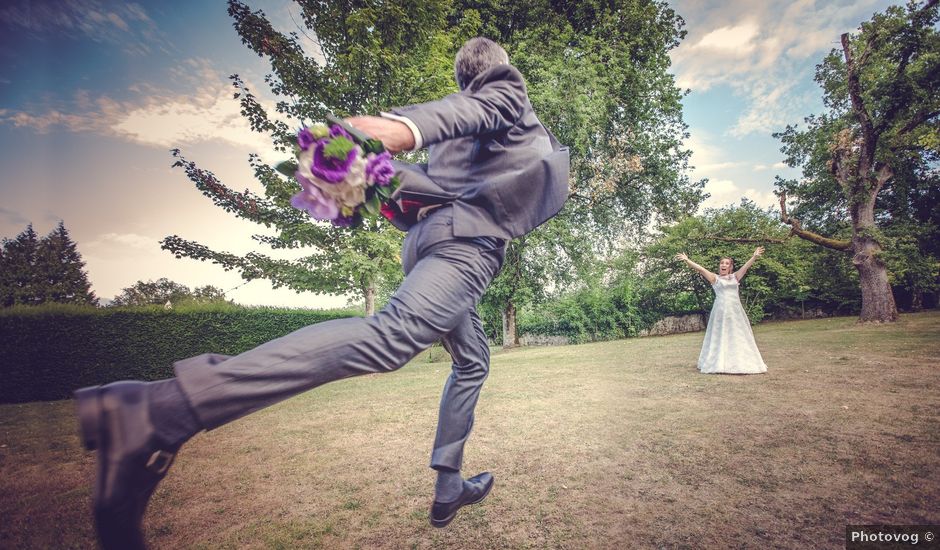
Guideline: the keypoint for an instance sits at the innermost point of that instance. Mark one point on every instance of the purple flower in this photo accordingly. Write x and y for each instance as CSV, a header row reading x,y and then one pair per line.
x,y
305,139
313,201
337,130
379,169
330,169
343,221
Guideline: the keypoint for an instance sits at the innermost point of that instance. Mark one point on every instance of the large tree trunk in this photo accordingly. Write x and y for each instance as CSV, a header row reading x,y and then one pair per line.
x,y
369,294
510,338
877,299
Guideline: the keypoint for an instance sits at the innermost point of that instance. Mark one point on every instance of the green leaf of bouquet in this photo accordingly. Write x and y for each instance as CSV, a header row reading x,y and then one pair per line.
x,y
373,146
287,167
338,148
384,192
319,131
373,206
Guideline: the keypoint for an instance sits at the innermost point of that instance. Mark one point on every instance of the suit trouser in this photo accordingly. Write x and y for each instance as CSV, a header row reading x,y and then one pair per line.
x,y
445,278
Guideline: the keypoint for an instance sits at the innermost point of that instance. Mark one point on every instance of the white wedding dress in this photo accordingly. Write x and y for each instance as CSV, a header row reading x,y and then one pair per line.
x,y
729,345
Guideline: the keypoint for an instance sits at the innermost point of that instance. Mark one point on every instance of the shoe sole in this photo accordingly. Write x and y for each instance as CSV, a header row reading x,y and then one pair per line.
x,y
88,404
444,522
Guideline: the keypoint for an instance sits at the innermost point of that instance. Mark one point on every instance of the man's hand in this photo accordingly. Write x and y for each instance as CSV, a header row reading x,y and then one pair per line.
x,y
394,135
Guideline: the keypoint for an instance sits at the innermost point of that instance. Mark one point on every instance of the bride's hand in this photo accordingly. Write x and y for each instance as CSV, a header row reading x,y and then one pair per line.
x,y
758,252
682,256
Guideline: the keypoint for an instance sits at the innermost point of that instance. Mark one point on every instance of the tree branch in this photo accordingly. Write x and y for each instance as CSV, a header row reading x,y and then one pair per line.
x,y
918,119
881,177
869,137
744,240
797,229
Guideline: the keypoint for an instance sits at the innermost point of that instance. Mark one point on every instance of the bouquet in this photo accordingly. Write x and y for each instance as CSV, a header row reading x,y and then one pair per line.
x,y
344,175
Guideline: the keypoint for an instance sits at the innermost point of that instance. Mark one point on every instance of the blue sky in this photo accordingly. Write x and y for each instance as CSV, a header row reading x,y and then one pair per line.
x,y
94,93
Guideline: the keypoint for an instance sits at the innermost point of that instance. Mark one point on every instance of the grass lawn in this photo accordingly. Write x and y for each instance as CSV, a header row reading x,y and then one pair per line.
x,y
615,444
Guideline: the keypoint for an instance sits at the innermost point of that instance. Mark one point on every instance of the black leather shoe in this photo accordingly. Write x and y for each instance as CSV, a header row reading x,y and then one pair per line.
x,y
115,421
475,490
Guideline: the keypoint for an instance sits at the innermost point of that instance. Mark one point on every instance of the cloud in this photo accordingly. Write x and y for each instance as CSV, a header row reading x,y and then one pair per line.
x,y
157,117
707,159
124,25
774,166
735,40
13,217
125,240
718,166
727,192
759,50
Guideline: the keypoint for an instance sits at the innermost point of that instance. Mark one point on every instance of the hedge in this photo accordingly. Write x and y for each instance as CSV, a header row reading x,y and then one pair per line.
x,y
46,353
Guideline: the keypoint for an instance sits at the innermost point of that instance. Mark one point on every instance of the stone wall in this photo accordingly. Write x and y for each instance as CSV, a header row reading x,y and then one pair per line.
x,y
693,322
668,325
543,340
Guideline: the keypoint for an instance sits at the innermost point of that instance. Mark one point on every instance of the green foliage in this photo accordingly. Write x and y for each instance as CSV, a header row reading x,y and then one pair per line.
x,y
163,290
599,312
36,271
789,276
47,352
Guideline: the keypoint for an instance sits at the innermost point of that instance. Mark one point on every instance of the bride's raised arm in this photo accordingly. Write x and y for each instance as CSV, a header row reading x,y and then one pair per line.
x,y
708,275
739,274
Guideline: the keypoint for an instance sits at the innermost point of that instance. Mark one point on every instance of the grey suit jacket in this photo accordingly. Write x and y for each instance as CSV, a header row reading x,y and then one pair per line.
x,y
488,155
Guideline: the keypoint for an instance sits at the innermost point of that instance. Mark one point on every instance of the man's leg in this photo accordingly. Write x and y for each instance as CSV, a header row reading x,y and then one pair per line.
x,y
435,296
469,350
448,278
468,347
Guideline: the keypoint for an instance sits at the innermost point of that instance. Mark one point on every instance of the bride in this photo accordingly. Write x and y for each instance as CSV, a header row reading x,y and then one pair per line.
x,y
729,345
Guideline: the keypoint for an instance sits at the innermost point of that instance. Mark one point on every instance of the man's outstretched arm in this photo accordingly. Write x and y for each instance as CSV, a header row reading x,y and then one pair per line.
x,y
494,101
395,135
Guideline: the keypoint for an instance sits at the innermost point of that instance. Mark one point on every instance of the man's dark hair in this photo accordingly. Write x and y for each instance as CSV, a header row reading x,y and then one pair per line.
x,y
475,56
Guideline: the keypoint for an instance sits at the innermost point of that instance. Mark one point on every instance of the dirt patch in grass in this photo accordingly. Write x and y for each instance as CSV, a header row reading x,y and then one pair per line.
x,y
615,444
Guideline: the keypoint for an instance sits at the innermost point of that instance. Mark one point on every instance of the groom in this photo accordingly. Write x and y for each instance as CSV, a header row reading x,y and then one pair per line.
x,y
494,173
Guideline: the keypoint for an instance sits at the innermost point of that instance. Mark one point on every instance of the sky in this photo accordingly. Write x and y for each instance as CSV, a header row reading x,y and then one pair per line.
x,y
95,93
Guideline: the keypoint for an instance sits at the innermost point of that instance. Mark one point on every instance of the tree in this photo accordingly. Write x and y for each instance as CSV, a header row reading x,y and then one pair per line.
x,y
597,74
59,270
882,92
163,290
19,269
34,271
374,56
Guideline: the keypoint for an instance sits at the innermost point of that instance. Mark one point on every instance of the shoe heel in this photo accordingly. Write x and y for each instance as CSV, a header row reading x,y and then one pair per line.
x,y
88,403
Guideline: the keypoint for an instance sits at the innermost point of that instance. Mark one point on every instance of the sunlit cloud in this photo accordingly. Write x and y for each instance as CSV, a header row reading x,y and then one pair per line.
x,y
737,40
712,162
774,166
126,240
727,192
759,50
157,117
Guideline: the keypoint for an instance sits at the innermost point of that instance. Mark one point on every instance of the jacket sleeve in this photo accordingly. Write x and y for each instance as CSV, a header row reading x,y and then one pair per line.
x,y
494,100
